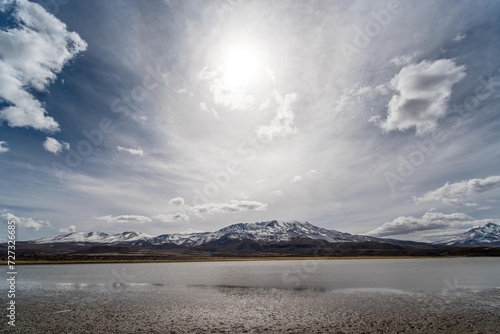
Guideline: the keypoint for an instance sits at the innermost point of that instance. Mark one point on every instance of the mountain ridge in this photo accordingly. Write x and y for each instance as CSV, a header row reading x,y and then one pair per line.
x,y
485,235
267,231
272,231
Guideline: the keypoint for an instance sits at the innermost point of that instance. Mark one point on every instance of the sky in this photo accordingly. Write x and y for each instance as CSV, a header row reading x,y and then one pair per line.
x,y
367,117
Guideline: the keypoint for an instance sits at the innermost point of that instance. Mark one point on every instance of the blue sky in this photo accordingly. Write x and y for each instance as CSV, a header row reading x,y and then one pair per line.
x,y
374,117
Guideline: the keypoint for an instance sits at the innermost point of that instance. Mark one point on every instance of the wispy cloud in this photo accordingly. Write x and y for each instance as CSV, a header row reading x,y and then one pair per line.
x,y
30,57
231,206
172,217
456,193
126,219
282,124
132,150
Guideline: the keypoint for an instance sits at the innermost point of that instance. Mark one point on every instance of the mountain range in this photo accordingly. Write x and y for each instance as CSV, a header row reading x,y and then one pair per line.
x,y
266,232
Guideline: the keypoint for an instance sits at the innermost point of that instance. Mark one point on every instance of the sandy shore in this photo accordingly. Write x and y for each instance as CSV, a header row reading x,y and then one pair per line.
x,y
184,309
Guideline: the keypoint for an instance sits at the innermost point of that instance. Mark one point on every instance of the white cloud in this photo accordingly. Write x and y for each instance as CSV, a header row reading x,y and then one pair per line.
x,y
134,151
179,216
404,59
177,201
423,93
69,229
134,219
282,124
204,107
231,206
3,147
429,221
459,37
278,193
25,222
234,98
189,231
296,178
455,193
30,57
311,172
54,146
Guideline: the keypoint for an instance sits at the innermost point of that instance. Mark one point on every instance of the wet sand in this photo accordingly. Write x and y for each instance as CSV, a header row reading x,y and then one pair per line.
x,y
185,309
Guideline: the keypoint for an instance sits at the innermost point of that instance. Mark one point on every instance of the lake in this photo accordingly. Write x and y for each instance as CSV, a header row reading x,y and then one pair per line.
x,y
432,295
396,274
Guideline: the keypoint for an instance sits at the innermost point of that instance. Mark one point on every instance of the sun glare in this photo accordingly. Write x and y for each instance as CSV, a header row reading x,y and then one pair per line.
x,y
241,66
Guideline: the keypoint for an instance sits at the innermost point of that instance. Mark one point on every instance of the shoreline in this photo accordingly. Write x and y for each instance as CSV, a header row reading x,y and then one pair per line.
x,y
230,259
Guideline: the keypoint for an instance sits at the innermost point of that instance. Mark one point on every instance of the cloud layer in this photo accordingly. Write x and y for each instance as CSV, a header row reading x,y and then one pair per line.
x,y
429,221
231,206
125,219
456,193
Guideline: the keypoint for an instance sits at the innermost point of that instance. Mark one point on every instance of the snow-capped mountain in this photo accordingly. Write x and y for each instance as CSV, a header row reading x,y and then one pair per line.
x,y
486,235
270,231
97,237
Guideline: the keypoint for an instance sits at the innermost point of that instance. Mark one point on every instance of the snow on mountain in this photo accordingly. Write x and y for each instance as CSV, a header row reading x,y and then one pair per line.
x,y
97,237
485,235
270,231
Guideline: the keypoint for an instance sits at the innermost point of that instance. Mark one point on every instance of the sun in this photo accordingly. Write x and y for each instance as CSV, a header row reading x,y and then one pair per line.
x,y
241,66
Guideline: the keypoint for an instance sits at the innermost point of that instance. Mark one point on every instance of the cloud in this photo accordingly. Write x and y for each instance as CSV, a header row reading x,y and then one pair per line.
x,y
53,146
179,216
234,98
296,178
177,201
311,172
422,95
282,124
459,37
69,229
278,193
31,54
429,221
404,59
134,151
25,222
124,219
231,206
3,147
453,194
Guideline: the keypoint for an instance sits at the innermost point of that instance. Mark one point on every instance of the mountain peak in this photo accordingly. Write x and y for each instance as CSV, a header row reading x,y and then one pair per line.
x,y
488,235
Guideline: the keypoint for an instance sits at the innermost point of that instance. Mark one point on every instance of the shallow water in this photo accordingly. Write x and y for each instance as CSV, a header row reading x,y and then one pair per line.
x,y
433,275
341,296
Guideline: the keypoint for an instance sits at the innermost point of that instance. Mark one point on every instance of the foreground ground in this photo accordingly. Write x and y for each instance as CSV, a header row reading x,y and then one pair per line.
x,y
223,309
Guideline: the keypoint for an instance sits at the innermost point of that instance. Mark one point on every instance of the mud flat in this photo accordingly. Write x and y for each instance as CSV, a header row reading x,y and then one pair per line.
x,y
226,309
